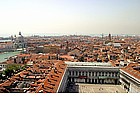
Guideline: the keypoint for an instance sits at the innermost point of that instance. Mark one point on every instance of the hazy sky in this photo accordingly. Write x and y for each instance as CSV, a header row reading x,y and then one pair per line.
x,y
69,16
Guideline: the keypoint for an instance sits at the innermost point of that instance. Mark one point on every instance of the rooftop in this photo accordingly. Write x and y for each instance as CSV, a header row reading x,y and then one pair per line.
x,y
89,64
43,76
133,69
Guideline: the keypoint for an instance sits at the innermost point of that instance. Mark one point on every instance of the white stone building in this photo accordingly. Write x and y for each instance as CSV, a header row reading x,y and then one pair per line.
x,y
130,83
95,73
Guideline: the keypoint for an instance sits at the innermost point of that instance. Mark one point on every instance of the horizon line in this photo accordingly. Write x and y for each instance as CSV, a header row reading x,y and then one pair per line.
x,y
68,34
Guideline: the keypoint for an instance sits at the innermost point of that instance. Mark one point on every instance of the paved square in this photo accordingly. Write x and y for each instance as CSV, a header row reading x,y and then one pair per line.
x,y
100,88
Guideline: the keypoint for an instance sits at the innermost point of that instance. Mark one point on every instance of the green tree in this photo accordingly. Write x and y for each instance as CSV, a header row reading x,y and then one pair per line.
x,y
11,69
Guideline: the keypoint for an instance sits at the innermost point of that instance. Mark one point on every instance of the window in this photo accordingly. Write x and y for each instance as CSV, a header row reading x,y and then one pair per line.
x,y
73,72
113,74
89,73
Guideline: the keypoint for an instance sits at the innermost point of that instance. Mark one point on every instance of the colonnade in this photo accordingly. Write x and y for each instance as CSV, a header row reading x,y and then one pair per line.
x,y
94,77
95,73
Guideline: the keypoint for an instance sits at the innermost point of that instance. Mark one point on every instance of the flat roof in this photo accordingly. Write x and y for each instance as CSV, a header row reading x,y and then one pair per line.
x,y
108,64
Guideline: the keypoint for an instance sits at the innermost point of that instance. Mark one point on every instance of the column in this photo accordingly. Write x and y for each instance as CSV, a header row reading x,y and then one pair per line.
x,y
85,73
107,73
74,73
71,73
91,80
101,73
101,81
77,73
84,80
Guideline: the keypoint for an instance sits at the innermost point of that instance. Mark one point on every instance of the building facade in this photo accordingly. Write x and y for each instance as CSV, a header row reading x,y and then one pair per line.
x,y
130,83
19,41
63,83
94,73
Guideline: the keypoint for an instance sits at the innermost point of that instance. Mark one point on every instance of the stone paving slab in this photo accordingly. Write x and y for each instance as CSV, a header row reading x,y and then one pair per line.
x,y
100,88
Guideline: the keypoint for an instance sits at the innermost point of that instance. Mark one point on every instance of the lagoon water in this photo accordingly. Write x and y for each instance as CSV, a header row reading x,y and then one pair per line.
x,y
4,56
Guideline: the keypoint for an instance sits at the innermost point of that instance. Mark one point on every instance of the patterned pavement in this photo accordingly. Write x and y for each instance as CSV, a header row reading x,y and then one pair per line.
x,y
100,88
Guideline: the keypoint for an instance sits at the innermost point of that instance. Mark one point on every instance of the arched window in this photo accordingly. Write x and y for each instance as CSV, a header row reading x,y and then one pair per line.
x,y
89,73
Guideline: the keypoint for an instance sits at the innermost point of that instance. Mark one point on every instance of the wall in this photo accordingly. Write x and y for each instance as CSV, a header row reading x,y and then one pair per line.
x,y
63,83
97,75
129,83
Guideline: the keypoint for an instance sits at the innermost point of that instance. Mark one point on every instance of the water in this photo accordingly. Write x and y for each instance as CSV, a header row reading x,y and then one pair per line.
x,y
4,56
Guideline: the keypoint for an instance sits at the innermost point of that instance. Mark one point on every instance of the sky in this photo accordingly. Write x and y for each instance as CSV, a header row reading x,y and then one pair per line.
x,y
69,17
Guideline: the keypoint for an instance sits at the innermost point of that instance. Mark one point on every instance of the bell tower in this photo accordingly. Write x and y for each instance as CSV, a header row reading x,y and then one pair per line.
x,y
109,37
67,48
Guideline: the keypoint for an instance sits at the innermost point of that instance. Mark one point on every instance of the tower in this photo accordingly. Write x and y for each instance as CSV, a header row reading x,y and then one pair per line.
x,y
67,48
109,36
21,41
102,35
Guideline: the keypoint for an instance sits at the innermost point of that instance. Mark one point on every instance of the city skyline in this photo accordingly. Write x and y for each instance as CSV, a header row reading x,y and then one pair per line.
x,y
69,17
